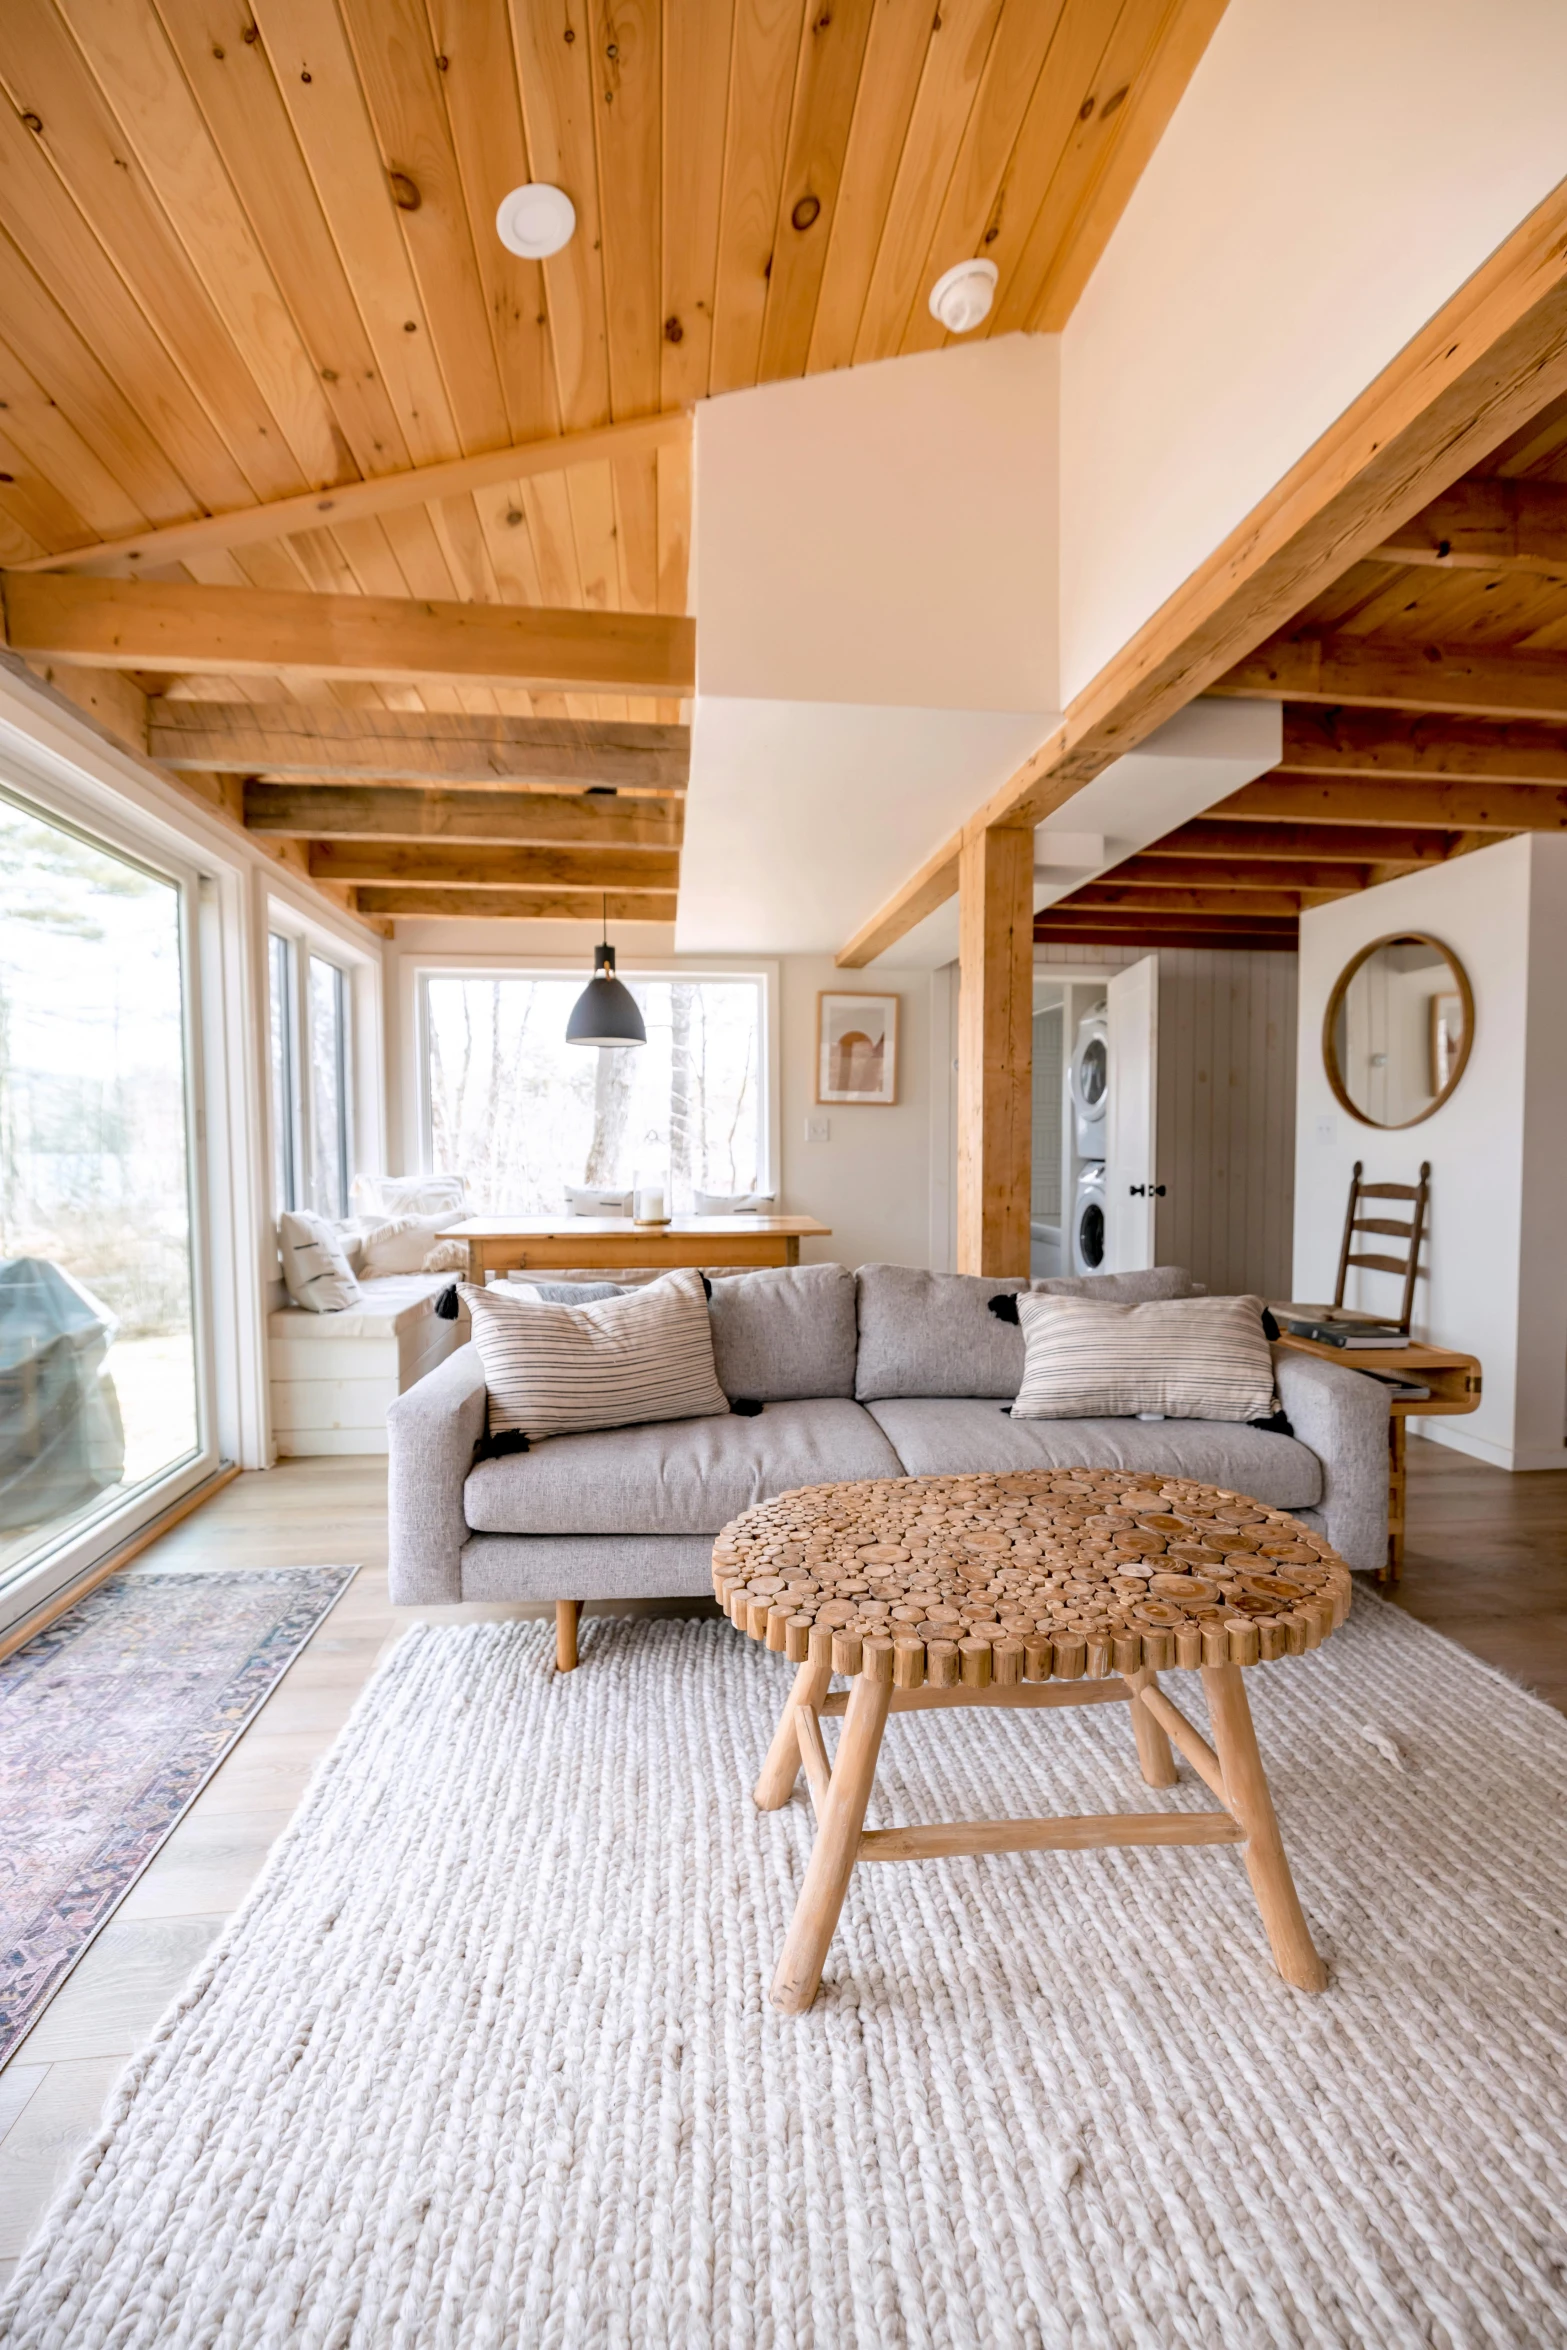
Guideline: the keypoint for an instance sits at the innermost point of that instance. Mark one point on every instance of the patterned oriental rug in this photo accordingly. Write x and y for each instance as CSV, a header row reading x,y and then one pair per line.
x,y
487,2057
111,1722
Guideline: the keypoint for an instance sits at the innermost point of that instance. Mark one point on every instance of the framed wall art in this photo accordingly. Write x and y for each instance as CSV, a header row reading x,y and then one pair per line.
x,y
857,1049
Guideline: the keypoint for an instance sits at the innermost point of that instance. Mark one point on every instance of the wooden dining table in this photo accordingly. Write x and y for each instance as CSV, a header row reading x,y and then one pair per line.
x,y
615,1244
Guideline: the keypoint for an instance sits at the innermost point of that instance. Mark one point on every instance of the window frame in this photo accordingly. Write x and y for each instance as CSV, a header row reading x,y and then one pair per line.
x,y
108,1527
412,1058
304,945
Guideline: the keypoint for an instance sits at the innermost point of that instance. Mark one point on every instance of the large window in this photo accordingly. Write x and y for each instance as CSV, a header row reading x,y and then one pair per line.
x,y
98,1346
522,1114
309,1009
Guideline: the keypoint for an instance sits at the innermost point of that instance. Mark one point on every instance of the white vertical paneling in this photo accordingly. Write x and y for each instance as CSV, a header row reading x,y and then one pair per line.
x,y
1227,1117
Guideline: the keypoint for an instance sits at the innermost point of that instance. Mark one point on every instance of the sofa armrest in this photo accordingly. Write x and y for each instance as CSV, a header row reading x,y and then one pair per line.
x,y
1342,1416
431,1431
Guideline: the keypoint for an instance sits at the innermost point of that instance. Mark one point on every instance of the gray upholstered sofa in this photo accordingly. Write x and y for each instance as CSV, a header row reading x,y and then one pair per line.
x,y
888,1372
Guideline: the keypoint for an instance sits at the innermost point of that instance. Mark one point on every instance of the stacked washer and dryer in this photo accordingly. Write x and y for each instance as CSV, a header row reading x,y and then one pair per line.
x,y
1089,1082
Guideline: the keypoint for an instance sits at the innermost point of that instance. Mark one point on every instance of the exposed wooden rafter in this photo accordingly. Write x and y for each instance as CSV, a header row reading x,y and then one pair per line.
x,y
282,740
1291,843
385,493
455,865
1222,872
490,905
1481,525
524,819
1381,673
261,632
1452,807
1235,905
1391,745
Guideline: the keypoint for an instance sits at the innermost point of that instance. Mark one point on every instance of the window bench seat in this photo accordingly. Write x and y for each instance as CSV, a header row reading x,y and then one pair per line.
x,y
334,1376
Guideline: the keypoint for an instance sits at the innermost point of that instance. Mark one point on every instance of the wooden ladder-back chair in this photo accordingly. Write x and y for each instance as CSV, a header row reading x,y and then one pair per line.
x,y
1386,1227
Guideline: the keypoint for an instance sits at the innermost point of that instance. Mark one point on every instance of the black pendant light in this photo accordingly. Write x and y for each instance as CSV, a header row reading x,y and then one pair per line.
x,y
606,1011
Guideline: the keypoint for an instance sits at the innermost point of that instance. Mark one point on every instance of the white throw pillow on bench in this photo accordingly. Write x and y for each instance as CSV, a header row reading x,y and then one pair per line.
x,y
401,1244
620,1362
316,1271
1196,1358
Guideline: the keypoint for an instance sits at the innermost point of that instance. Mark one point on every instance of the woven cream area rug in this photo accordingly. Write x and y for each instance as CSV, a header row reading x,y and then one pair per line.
x,y
487,2058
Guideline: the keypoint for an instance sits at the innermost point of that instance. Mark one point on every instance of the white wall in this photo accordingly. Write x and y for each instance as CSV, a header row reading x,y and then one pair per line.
x,y
1332,174
885,534
876,1177
1498,1266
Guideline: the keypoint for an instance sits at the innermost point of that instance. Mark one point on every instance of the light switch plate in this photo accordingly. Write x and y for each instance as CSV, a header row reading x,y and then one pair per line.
x,y
1327,1131
818,1129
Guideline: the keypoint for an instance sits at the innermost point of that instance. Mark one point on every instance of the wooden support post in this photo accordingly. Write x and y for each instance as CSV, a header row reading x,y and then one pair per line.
x,y
782,1767
836,1849
567,1612
1397,1481
995,1049
1246,1790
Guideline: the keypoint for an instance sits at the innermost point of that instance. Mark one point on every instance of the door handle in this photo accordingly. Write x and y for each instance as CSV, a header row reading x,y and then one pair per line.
x,y
1146,1190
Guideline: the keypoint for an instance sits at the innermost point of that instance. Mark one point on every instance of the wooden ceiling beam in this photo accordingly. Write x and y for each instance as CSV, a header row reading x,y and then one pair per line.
x,y
1223,872
511,905
1454,807
1490,359
1478,525
1279,938
524,819
1377,673
1288,843
248,526
1151,919
1389,745
280,741
454,864
260,632
1233,905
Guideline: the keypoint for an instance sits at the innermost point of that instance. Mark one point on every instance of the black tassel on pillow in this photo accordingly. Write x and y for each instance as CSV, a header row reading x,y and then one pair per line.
x,y
1270,1328
707,1288
448,1305
1004,1307
746,1405
495,1448
1276,1424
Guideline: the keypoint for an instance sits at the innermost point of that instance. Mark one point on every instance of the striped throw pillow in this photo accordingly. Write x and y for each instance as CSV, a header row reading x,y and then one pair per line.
x,y
551,1367
1191,1358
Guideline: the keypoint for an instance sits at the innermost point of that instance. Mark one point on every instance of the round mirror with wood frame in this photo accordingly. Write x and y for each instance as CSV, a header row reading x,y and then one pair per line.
x,y
1397,1030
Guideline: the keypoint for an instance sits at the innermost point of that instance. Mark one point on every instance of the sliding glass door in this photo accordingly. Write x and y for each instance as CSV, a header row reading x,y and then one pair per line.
x,y
101,1381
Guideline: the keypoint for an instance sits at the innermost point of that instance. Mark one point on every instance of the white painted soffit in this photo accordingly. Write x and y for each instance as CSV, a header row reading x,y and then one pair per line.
x,y
1196,759
802,817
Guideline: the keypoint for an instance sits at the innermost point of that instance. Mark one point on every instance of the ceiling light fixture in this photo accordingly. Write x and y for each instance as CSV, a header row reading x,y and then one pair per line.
x,y
535,221
606,1011
961,296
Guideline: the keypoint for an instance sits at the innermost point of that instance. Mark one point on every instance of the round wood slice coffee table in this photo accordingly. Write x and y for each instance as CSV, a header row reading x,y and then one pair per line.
x,y
1055,1587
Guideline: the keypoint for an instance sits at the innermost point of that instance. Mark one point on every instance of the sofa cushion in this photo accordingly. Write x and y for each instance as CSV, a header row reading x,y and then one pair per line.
x,y
929,1334
1155,1282
1190,1358
681,1477
785,1334
618,1363
945,1437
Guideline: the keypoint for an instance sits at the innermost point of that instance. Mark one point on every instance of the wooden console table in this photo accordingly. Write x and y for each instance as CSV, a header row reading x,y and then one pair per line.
x,y
1454,1381
609,1244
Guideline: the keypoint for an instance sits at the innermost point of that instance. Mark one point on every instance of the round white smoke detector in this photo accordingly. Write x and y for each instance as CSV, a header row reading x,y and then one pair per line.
x,y
535,221
962,295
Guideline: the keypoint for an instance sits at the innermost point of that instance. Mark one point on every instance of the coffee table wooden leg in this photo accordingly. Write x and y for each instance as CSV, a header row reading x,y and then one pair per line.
x,y
1154,1751
782,1767
567,1613
1246,1791
833,1855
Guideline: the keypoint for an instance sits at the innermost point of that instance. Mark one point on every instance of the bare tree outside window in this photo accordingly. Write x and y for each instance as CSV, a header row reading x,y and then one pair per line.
x,y
522,1114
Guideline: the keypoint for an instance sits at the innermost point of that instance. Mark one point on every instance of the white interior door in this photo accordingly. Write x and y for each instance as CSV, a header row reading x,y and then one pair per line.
x,y
1131,1175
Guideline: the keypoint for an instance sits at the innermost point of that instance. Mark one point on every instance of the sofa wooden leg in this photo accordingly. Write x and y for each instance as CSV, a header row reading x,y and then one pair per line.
x,y
567,1612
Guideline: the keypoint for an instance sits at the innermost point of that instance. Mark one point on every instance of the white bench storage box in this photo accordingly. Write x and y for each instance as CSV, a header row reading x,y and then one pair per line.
x,y
335,1376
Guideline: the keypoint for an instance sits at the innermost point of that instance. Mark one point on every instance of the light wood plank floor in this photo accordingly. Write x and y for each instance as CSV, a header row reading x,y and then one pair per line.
x,y
1487,1565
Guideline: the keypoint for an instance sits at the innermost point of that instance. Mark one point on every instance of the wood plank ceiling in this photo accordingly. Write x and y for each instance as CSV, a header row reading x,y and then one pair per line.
x,y
1425,715
247,255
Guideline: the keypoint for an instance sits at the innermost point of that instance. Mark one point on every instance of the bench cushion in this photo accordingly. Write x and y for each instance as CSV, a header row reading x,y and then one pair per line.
x,y
386,1307
951,1436
676,1477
